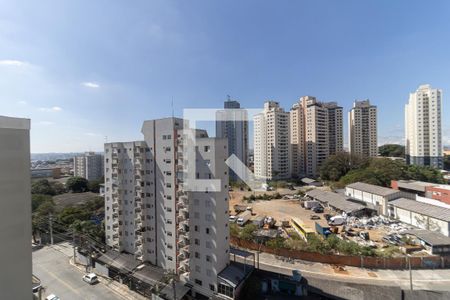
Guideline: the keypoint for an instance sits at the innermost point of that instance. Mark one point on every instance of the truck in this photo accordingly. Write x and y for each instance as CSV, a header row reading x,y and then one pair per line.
x,y
241,208
259,221
311,204
243,218
323,230
336,221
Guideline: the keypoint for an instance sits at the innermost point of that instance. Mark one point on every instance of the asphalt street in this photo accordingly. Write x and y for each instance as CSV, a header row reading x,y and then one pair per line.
x,y
59,277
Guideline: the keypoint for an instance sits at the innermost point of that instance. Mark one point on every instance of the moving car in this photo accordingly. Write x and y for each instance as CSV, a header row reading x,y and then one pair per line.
x,y
90,278
52,297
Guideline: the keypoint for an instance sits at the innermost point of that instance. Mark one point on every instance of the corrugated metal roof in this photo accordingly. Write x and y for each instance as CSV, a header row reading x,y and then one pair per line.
x,y
235,273
335,200
414,185
308,180
374,189
426,209
430,237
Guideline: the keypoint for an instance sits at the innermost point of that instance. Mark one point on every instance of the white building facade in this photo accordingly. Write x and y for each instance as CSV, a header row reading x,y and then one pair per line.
x,y
271,142
423,128
15,209
150,213
89,166
363,138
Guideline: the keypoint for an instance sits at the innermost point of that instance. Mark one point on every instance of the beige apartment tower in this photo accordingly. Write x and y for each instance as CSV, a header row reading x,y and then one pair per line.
x,y
363,129
271,142
316,132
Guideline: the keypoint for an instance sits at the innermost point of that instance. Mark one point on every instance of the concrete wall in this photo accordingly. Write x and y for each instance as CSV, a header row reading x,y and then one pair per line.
x,y
15,209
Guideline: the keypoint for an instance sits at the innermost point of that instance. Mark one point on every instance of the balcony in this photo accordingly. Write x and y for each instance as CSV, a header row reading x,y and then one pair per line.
x,y
137,210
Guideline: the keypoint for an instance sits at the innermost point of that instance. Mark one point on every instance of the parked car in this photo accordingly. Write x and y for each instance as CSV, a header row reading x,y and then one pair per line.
x,y
52,297
90,278
232,219
317,209
314,217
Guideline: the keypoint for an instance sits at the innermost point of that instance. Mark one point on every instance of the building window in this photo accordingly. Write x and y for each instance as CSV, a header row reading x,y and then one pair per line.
x,y
197,241
212,287
169,258
207,230
207,148
197,269
225,290
197,255
208,258
198,282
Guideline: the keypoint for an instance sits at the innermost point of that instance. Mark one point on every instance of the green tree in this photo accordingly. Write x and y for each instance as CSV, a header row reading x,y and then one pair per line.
x,y
77,184
94,185
58,187
234,230
42,187
447,162
337,166
276,243
37,200
247,232
392,150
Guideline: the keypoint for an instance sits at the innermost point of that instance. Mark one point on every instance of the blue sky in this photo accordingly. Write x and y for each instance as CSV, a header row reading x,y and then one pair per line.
x,y
83,70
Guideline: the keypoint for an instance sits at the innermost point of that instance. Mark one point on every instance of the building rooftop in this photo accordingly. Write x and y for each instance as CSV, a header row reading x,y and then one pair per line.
x,y
235,273
335,200
308,180
426,209
414,185
430,237
121,261
14,123
370,188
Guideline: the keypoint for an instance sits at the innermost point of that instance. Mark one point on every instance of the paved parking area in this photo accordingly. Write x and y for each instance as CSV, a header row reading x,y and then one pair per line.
x,y
51,265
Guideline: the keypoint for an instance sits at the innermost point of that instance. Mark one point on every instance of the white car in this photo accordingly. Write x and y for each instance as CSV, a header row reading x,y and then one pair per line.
x,y
232,219
52,297
90,278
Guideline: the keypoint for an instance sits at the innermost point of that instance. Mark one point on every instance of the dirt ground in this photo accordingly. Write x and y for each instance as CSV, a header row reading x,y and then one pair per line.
x,y
281,210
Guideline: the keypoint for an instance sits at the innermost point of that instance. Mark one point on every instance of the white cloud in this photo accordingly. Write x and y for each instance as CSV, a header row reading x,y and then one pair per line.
x,y
22,102
12,62
382,140
92,85
51,109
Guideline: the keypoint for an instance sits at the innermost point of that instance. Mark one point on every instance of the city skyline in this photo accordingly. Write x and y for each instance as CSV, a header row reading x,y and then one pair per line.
x,y
104,76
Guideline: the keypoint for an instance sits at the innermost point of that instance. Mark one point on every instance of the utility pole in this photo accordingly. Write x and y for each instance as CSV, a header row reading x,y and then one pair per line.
x,y
174,290
410,273
50,219
73,244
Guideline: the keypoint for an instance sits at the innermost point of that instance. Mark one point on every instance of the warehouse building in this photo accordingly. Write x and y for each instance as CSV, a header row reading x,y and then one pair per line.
x,y
336,202
439,192
378,196
433,242
421,215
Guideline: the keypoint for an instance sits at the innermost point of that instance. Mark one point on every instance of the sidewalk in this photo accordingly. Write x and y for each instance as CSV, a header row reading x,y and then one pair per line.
x,y
120,289
438,279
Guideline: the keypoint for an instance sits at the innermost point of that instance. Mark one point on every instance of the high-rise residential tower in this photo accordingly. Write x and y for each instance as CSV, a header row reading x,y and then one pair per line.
x,y
423,128
232,124
88,165
151,213
363,129
271,142
316,133
15,208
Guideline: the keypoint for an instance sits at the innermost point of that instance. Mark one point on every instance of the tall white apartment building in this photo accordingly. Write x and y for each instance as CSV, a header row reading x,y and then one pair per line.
x,y
232,124
89,166
363,129
316,133
15,209
271,142
423,128
150,213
